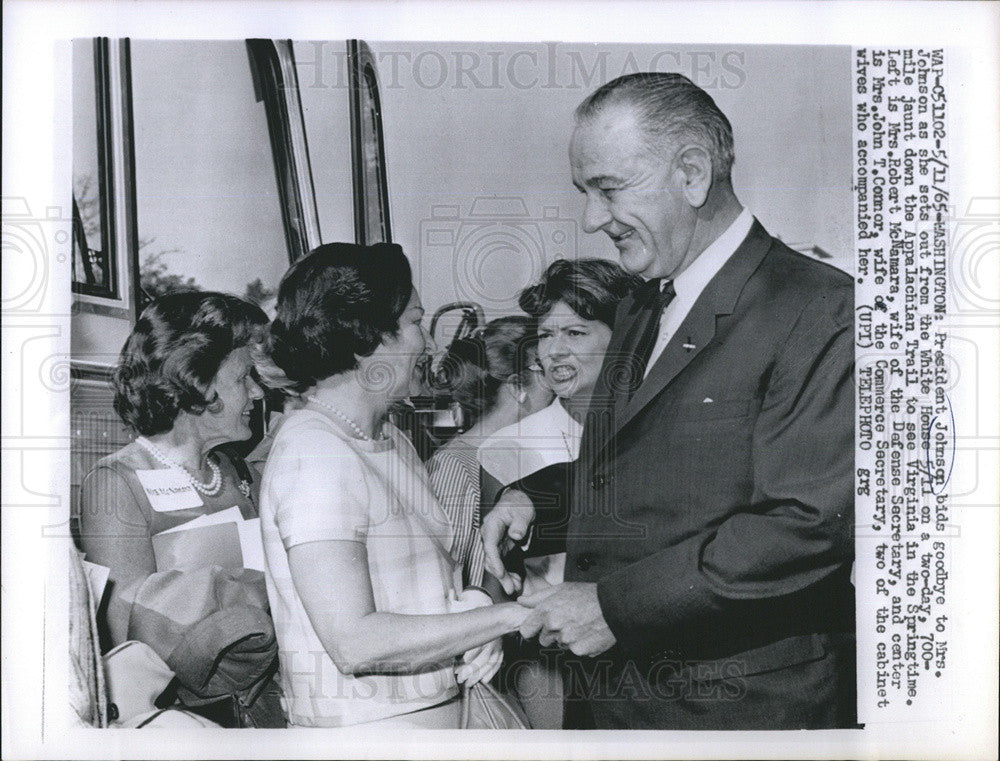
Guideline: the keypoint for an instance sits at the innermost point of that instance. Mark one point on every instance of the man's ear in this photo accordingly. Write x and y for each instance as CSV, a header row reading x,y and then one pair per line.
x,y
694,163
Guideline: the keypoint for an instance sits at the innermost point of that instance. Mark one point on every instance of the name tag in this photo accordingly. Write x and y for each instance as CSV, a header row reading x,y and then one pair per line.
x,y
168,489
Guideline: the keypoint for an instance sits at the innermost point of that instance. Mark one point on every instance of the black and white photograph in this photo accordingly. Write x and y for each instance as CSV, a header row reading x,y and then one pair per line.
x,y
626,397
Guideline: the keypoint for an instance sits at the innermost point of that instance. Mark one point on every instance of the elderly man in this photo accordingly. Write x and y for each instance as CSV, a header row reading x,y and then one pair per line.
x,y
709,517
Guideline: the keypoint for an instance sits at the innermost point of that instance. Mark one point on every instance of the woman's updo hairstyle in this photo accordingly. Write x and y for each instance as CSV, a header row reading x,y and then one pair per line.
x,y
174,352
334,305
475,368
592,288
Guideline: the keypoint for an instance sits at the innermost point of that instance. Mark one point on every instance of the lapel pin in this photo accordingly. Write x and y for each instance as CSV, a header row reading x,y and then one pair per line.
x,y
689,346
707,400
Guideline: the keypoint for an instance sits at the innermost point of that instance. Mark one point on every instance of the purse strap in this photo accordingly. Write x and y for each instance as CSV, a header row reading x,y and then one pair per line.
x,y
497,710
466,709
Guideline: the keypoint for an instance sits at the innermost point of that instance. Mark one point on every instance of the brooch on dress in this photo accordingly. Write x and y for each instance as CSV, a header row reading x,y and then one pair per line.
x,y
244,487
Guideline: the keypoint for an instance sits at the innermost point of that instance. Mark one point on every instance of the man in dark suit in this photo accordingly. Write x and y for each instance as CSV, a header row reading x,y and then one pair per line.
x,y
709,527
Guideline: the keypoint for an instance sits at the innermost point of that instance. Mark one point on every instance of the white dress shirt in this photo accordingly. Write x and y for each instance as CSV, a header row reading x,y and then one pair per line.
x,y
538,440
691,282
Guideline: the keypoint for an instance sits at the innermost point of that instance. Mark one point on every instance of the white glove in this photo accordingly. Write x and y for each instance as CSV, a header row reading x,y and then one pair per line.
x,y
468,600
480,663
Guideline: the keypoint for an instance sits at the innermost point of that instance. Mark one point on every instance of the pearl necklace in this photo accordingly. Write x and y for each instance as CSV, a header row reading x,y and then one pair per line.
x,y
209,489
348,421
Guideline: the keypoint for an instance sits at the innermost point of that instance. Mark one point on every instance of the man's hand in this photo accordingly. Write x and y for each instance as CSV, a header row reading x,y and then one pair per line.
x,y
568,615
505,525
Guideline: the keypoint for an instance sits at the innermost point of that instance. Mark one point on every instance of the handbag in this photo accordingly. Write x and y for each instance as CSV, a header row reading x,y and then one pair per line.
x,y
483,707
138,681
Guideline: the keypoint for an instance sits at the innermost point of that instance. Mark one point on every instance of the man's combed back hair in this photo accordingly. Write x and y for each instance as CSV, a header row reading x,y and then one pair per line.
x,y
672,110
334,305
174,352
590,287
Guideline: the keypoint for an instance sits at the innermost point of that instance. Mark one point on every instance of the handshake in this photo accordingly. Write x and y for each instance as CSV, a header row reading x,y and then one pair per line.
x,y
567,614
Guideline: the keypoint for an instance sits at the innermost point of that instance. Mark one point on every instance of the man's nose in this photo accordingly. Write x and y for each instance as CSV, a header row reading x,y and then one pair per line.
x,y
595,214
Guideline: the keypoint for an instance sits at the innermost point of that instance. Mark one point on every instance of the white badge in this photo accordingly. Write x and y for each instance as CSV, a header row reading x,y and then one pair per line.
x,y
168,489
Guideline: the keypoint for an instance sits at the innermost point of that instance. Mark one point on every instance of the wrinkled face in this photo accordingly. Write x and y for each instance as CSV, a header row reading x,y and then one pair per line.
x,y
632,194
228,419
392,368
571,351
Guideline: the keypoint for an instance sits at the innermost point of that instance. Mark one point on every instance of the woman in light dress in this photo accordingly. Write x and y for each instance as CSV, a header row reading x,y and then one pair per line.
x,y
373,626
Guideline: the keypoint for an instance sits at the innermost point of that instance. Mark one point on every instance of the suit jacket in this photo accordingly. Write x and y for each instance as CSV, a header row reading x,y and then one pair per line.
x,y
714,509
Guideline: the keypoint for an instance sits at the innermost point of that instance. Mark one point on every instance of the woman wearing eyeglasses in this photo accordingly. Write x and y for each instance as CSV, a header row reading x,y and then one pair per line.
x,y
574,304
496,381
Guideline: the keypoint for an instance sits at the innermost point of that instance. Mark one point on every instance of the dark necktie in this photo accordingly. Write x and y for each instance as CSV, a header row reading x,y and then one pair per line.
x,y
651,299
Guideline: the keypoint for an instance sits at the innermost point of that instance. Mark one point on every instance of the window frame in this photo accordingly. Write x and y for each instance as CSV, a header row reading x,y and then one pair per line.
x,y
363,77
272,64
276,83
116,183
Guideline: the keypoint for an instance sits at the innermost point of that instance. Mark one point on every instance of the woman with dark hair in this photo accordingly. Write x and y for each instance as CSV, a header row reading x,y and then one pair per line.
x,y
490,376
184,385
574,304
361,582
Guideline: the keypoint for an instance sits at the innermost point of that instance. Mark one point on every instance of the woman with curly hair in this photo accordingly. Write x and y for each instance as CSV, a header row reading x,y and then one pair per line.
x,y
574,303
184,385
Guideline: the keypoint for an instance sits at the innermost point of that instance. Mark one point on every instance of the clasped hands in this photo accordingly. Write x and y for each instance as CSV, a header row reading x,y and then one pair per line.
x,y
567,614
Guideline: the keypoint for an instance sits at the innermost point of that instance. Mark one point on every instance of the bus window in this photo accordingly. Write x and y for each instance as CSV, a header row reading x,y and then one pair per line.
x,y
208,208
326,107
93,270
371,199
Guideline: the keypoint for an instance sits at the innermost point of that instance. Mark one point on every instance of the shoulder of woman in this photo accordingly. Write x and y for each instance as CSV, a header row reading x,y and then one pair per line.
x,y
113,480
131,455
309,451
456,453
444,459
124,462
303,430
